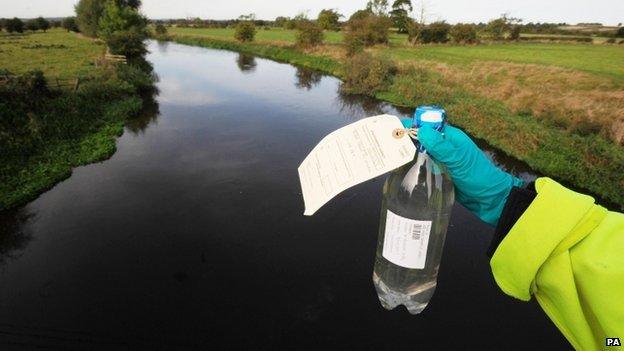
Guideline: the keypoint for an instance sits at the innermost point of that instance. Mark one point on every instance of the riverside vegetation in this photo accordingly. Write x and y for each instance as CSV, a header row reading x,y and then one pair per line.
x,y
557,107
48,127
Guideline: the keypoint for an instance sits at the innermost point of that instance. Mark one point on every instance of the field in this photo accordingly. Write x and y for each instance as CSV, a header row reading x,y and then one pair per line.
x,y
43,135
57,53
558,107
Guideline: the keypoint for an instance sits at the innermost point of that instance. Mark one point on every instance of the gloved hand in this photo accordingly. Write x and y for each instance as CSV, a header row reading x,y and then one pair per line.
x,y
479,185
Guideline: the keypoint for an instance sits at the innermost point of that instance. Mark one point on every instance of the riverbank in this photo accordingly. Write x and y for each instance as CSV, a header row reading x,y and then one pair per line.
x,y
580,158
58,110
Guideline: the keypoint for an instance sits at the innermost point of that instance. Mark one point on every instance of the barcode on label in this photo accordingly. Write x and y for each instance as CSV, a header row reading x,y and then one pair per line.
x,y
416,231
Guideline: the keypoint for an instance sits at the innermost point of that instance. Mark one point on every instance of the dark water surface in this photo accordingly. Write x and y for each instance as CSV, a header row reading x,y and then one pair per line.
x,y
192,235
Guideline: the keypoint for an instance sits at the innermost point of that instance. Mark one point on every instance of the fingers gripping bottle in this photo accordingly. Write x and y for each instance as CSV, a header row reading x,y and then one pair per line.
x,y
415,212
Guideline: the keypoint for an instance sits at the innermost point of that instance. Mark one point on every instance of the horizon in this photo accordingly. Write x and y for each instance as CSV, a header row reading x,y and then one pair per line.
x,y
606,12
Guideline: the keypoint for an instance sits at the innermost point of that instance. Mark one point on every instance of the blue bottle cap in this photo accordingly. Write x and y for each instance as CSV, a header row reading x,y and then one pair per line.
x,y
432,116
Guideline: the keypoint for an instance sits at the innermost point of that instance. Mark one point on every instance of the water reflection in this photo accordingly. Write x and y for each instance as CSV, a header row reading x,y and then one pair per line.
x,y
307,78
246,63
14,237
148,114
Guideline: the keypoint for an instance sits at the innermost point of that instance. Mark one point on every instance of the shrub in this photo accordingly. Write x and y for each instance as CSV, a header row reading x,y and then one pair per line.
x,y
309,34
32,25
14,25
436,32
620,32
464,33
160,29
42,23
366,31
245,31
69,23
367,74
328,19
514,33
127,42
611,41
281,21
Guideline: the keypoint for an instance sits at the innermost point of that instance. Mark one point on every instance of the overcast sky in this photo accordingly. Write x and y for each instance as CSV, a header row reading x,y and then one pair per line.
x,y
570,11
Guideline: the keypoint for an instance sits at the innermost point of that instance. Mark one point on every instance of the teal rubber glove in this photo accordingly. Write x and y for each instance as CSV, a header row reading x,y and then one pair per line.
x,y
479,185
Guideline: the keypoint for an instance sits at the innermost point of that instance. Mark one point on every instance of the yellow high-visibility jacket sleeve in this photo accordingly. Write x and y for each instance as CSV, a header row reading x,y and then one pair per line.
x,y
568,252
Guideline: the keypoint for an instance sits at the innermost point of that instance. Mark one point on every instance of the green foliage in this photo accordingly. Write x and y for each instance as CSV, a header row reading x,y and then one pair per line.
x,y
464,33
309,34
367,74
400,14
378,7
360,14
69,24
329,19
124,30
367,31
514,33
245,31
498,28
280,21
160,29
14,25
88,13
32,25
436,32
42,24
620,32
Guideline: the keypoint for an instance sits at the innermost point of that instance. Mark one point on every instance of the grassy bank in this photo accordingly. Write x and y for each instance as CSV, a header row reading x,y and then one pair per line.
x,y
46,130
581,158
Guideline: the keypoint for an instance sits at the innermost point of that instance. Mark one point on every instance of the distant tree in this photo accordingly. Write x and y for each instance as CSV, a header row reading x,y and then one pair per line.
x,y
620,32
367,31
42,23
124,29
378,7
400,14
514,32
464,33
436,32
69,23
31,25
497,28
160,29
309,34
329,19
245,29
361,14
2,23
14,25
88,13
56,23
281,21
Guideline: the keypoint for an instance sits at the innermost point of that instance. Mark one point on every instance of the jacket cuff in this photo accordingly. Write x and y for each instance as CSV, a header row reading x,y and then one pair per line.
x,y
518,201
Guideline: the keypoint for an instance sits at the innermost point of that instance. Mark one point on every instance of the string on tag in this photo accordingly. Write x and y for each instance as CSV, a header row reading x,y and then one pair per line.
x,y
401,132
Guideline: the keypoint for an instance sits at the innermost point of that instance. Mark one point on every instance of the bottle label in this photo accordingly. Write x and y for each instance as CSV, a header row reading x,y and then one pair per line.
x,y
405,241
351,155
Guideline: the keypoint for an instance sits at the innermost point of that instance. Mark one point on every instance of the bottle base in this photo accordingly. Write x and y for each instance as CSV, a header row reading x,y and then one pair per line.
x,y
415,301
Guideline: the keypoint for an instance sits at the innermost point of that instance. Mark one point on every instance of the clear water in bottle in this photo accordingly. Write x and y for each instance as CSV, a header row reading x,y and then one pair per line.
x,y
415,212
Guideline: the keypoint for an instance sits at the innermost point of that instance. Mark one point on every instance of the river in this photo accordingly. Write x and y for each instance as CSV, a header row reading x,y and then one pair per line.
x,y
192,234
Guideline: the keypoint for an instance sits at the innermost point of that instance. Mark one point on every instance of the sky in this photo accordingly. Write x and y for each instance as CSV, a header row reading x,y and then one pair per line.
x,y
609,12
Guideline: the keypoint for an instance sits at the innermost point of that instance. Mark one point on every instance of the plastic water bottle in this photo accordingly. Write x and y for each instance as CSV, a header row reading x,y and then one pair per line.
x,y
415,213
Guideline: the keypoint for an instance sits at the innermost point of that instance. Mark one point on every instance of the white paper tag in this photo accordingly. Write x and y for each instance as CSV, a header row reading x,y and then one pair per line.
x,y
405,241
351,155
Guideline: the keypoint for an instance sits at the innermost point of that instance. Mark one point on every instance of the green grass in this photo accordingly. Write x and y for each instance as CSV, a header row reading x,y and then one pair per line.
x,y
43,136
590,163
57,53
606,60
